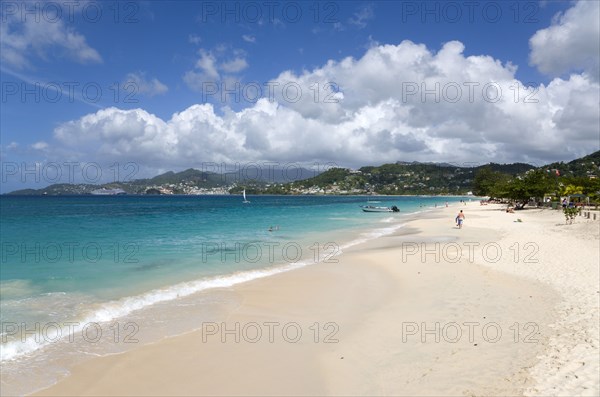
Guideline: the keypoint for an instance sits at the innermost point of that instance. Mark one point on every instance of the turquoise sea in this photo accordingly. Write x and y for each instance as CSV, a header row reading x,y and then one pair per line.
x,y
67,262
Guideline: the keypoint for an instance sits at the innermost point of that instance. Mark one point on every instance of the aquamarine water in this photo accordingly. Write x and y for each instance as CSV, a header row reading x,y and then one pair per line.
x,y
101,258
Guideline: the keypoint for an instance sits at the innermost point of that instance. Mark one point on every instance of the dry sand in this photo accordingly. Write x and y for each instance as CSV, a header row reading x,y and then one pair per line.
x,y
497,308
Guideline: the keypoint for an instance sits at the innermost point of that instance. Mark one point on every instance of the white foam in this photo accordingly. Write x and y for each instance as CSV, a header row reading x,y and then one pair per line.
x,y
12,350
373,234
118,308
122,307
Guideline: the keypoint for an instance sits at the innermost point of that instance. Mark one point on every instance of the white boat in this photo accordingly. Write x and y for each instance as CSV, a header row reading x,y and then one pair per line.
x,y
245,201
371,208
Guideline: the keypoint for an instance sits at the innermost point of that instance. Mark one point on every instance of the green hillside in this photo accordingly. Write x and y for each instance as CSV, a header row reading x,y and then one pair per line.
x,y
394,179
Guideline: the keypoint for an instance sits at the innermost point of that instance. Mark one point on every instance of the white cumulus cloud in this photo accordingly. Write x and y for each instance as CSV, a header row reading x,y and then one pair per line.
x,y
396,102
571,43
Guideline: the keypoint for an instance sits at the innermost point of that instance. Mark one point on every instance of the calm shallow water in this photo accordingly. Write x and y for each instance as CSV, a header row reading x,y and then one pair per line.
x,y
107,260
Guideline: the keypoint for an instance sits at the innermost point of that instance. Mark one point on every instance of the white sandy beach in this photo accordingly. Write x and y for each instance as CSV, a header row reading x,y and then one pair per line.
x,y
497,308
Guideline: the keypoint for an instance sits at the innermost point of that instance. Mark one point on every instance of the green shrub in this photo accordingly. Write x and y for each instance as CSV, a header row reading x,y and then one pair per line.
x,y
571,213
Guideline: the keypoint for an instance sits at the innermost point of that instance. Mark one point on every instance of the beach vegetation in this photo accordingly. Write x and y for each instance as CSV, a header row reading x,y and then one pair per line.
x,y
533,185
571,213
488,182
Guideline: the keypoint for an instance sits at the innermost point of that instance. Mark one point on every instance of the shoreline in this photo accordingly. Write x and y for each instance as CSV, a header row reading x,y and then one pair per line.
x,y
179,295
375,288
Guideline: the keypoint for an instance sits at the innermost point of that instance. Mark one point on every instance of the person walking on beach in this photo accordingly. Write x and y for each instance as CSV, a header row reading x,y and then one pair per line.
x,y
459,219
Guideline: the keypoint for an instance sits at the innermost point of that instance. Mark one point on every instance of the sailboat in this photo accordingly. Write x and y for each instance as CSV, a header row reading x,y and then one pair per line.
x,y
245,201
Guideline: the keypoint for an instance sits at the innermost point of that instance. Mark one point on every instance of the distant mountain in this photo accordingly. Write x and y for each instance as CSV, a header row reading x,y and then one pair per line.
x,y
191,176
251,173
415,177
426,162
64,189
190,181
397,178
511,169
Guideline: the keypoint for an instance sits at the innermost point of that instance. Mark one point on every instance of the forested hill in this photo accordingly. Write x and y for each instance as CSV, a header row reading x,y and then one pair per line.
x,y
397,178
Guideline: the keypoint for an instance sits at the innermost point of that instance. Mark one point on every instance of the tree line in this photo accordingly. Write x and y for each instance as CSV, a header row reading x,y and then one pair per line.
x,y
536,184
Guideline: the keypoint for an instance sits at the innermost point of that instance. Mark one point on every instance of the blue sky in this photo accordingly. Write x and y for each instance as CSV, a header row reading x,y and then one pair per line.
x,y
151,60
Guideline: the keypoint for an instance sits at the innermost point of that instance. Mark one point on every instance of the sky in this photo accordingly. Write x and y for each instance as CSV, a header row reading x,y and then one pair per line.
x,y
99,91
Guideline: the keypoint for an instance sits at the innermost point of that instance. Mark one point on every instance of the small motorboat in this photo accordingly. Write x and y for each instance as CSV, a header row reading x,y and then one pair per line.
x,y
371,208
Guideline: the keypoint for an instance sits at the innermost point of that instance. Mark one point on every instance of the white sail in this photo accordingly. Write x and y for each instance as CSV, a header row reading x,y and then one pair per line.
x,y
244,193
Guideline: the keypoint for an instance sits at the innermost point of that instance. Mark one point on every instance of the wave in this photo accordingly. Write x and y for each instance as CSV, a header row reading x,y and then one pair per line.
x,y
112,310
122,307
